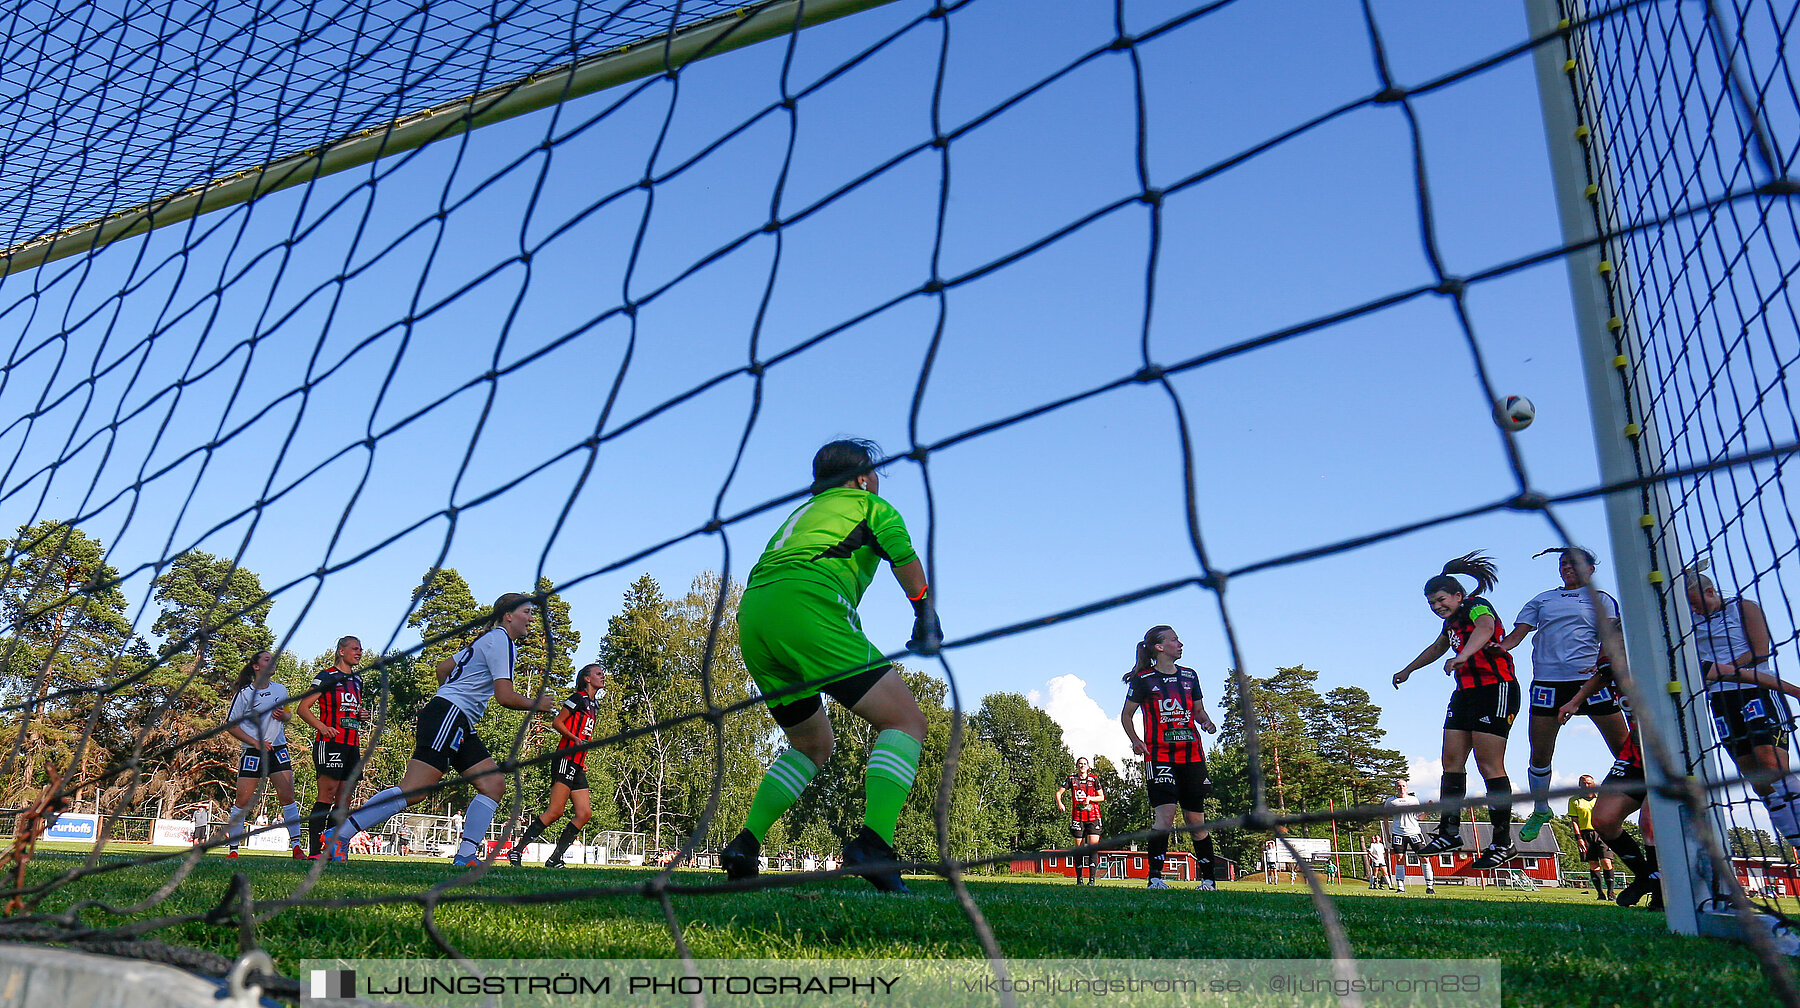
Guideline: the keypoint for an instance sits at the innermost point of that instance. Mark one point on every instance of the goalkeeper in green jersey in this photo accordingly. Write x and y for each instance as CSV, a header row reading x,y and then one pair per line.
x,y
801,636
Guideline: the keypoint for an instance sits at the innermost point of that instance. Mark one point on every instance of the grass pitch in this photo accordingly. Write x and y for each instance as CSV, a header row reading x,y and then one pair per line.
x,y
1556,946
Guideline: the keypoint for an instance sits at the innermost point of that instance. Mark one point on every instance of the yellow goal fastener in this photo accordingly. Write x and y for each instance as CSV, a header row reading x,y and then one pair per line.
x,y
1605,266
1645,521
1674,687
1568,66
1615,324
1633,430
1592,191
1656,577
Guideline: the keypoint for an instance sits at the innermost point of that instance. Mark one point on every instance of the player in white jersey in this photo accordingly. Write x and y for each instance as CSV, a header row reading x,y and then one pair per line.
x,y
1569,622
1732,637
258,719
1404,834
1378,863
446,736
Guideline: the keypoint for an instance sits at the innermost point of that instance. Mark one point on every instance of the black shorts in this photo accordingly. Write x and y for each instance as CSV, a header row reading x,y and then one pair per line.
x,y
447,738
1549,697
564,770
846,691
1748,718
252,762
1593,848
1488,709
1403,844
1183,784
1079,828
1628,769
334,760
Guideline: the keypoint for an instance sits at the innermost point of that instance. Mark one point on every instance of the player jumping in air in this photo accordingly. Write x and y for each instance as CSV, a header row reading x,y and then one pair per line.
x,y
1174,759
1481,709
1564,653
1611,808
568,771
337,731
481,672
1748,710
801,636
257,719
1085,796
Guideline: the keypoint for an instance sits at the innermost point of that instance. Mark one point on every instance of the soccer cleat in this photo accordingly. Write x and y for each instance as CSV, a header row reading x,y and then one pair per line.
x,y
868,848
331,848
1495,856
1599,895
1640,886
466,860
1528,831
1156,883
1429,890
1208,885
1440,843
516,856
740,858
556,862
300,854
231,853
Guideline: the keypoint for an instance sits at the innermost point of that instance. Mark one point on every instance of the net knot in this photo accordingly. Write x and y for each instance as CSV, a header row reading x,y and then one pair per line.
x,y
1149,373
1530,500
1453,286
1391,94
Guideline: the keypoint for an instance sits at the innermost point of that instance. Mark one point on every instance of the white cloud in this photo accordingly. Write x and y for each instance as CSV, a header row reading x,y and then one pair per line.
x,y
1088,729
1424,774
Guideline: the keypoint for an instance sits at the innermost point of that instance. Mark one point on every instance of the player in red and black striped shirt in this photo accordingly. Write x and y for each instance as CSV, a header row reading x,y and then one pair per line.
x,y
1481,709
568,771
1613,807
336,696
1085,795
1174,760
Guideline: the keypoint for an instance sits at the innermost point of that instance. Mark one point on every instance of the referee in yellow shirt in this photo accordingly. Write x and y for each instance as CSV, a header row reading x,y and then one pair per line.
x,y
1593,849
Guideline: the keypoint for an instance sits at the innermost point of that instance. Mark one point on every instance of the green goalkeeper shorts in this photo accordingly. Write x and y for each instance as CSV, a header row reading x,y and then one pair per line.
x,y
801,632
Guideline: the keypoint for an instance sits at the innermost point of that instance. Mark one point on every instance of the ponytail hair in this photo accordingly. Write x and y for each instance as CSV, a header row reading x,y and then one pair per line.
x,y
1475,565
248,674
506,604
1146,649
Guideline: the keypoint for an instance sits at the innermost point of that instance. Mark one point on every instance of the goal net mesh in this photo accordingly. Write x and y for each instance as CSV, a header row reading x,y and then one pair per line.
x,y
604,334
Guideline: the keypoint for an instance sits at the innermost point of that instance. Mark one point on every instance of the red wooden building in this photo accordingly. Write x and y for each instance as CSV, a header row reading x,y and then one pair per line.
x,y
1179,866
1767,876
1537,860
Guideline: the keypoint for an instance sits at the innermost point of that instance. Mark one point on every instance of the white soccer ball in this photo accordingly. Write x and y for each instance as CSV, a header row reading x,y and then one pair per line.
x,y
1514,412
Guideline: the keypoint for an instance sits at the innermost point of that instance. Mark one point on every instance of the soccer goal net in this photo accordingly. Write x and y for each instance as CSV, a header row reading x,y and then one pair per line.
x,y
330,323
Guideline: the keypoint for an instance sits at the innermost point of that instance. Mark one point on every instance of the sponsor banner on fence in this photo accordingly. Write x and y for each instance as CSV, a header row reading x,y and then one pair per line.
x,y
83,828
172,833
951,983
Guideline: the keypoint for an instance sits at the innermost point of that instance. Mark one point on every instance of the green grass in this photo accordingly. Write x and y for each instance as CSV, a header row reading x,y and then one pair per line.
x,y
1556,947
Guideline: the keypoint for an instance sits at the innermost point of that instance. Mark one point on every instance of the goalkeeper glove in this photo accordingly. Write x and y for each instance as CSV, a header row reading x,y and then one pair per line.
x,y
927,635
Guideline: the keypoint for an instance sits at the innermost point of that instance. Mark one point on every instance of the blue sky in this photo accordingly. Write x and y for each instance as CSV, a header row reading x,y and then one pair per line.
x,y
350,310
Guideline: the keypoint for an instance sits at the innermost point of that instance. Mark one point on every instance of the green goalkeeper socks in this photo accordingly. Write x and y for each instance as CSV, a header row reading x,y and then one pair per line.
x,y
780,789
893,764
